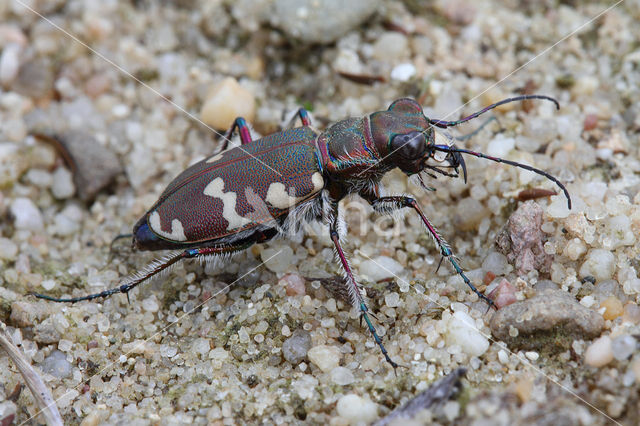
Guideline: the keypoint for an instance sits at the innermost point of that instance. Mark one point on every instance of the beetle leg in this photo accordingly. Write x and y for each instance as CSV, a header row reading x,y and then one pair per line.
x,y
354,291
245,135
387,204
304,117
152,269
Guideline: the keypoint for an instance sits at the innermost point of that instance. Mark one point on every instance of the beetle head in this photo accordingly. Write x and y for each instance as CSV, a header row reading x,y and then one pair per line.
x,y
406,139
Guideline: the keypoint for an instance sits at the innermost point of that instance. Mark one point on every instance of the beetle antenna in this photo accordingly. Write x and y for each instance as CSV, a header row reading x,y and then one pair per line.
x,y
444,124
452,149
118,237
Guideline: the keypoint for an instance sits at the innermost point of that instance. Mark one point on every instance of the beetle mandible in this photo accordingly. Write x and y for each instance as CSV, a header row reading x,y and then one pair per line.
x,y
254,192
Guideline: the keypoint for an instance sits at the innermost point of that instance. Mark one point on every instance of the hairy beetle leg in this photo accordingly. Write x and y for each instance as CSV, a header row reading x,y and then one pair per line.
x,y
152,269
357,297
385,204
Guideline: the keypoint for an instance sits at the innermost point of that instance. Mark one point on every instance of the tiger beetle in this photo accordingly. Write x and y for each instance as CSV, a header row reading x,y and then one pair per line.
x,y
266,187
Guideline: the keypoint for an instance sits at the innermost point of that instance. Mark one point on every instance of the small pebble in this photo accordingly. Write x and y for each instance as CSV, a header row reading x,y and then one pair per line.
x,y
312,21
524,388
35,79
9,63
296,347
590,122
496,264
390,46
558,208
392,299
325,357
294,283
95,165
451,410
8,249
48,284
46,333
381,268
623,347
140,367
305,386
631,313
277,259
8,411
40,178
575,248
120,111
69,220
462,331
613,308
468,214
522,241
65,345
225,101
218,354
501,146
356,410
549,321
97,85
342,376
201,346
26,214
403,72
599,353
150,304
588,301
57,365
504,294
599,263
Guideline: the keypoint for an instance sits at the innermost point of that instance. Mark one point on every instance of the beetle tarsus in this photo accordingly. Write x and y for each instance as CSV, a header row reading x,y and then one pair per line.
x,y
378,340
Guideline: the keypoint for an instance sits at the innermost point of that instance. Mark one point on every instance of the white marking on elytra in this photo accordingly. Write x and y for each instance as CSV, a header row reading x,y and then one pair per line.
x,y
215,189
215,158
318,182
177,230
278,196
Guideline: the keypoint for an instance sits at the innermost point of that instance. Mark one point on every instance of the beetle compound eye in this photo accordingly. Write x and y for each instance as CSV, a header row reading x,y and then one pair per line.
x,y
410,145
